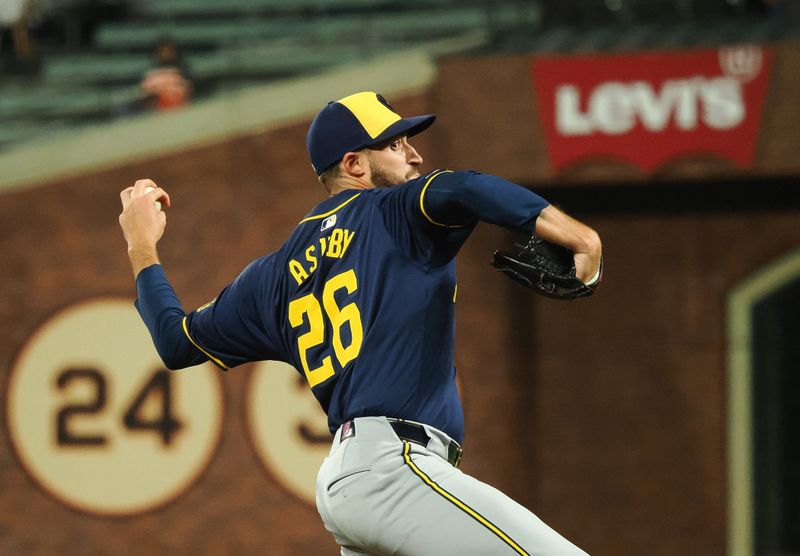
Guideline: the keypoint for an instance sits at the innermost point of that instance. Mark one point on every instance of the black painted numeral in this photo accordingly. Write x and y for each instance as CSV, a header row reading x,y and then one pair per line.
x,y
159,386
64,435
166,425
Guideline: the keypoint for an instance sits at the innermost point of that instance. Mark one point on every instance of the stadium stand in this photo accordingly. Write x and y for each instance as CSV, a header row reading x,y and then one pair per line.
x,y
89,73
92,75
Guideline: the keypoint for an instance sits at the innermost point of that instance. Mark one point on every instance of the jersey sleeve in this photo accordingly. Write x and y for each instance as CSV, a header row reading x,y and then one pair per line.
x,y
449,198
241,324
162,313
431,217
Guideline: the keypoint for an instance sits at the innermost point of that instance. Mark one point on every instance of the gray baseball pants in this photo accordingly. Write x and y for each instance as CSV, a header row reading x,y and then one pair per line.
x,y
380,495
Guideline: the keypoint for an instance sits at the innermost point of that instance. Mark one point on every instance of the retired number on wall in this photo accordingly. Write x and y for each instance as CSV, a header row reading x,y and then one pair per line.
x,y
99,423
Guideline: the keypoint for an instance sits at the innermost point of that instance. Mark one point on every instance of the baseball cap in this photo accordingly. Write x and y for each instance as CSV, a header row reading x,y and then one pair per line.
x,y
354,122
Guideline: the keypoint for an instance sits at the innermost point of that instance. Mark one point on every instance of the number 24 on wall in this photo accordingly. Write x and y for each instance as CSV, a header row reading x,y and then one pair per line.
x,y
338,316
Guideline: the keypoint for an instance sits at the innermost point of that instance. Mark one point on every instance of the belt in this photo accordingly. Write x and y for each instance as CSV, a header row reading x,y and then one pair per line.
x,y
414,432
410,432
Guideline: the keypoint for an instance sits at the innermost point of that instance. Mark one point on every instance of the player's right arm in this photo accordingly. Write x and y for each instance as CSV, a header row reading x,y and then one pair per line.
x,y
143,225
229,331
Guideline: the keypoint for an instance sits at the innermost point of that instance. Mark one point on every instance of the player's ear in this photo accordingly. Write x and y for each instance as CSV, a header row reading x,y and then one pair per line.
x,y
355,164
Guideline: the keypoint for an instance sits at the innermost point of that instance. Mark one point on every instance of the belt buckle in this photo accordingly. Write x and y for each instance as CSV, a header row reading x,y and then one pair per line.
x,y
454,454
413,432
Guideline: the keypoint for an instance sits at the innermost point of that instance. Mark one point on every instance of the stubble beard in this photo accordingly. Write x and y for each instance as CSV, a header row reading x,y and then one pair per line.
x,y
380,178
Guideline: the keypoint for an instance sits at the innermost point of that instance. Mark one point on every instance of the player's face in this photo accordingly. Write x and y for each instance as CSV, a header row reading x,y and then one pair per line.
x,y
393,163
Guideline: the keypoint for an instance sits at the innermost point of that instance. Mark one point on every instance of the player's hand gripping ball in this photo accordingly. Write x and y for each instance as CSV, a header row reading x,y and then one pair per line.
x,y
545,268
147,190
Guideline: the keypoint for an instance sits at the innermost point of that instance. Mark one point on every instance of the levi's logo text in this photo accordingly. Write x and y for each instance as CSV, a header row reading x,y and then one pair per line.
x,y
333,246
649,108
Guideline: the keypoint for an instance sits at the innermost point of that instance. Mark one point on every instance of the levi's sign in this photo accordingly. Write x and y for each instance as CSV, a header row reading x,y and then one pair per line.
x,y
648,108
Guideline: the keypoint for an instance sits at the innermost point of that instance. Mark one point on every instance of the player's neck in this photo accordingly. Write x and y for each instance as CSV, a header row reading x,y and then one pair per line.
x,y
348,182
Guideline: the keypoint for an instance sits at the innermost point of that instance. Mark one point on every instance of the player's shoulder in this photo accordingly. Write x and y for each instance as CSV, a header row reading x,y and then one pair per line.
x,y
331,205
425,179
412,187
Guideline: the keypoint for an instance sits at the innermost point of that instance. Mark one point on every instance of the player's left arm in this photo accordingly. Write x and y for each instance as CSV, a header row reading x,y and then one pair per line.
x,y
452,199
557,227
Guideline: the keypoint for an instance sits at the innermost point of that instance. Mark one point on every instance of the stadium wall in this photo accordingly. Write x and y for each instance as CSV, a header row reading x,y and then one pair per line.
x,y
606,417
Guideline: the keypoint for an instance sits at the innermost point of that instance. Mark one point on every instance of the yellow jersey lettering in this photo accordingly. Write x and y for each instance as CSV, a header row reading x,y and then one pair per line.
x,y
298,272
311,258
348,237
335,244
307,310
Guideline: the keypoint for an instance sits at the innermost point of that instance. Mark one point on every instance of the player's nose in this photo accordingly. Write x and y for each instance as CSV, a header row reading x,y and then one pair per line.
x,y
412,156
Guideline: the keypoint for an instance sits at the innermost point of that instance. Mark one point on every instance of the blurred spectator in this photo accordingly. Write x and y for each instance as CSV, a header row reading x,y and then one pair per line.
x,y
14,17
167,84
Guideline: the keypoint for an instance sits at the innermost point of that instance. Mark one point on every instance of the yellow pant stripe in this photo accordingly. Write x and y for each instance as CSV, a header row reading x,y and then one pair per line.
x,y
458,503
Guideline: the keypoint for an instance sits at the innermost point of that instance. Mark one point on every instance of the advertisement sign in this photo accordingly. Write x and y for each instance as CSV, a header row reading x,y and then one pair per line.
x,y
650,107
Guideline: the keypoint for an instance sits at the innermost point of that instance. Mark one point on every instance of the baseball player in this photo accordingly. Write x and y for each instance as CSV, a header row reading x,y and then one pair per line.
x,y
361,301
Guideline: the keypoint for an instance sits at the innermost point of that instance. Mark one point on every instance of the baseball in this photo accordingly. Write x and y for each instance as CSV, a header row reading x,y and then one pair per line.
x,y
148,189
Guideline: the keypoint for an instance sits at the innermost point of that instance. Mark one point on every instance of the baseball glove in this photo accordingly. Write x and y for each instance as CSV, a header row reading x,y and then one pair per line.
x,y
545,268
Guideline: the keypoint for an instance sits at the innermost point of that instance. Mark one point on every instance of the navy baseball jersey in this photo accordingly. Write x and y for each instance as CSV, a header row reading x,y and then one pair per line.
x,y
360,298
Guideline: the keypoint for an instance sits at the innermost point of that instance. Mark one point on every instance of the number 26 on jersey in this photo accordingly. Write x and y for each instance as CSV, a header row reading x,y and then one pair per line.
x,y
308,308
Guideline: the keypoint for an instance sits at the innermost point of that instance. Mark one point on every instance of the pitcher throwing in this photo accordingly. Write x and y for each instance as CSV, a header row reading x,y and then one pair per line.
x,y
361,300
